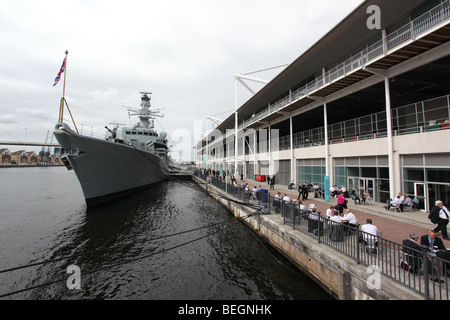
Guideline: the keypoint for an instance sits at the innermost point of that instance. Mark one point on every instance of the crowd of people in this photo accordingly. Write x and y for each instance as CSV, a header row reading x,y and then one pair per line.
x,y
439,213
340,215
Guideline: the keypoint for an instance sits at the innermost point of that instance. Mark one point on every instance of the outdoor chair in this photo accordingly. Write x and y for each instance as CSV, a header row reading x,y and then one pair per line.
x,y
369,200
410,260
395,208
416,205
371,245
406,207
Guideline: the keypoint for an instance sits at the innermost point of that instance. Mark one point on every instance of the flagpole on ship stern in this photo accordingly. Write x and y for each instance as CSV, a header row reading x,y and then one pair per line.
x,y
63,99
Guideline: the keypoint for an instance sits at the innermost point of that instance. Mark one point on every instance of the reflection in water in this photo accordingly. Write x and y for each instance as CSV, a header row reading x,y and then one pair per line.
x,y
138,247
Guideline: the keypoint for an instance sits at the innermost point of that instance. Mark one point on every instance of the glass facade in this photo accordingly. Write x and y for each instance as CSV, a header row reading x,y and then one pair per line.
x,y
427,177
365,174
311,170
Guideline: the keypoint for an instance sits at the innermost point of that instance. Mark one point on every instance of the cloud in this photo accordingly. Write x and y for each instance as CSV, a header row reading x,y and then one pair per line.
x,y
103,95
37,114
7,118
185,52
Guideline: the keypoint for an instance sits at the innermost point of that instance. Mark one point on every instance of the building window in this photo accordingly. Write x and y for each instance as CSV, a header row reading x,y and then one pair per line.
x,y
311,170
363,174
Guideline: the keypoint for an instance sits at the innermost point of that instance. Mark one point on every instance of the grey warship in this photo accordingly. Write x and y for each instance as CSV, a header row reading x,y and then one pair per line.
x,y
128,159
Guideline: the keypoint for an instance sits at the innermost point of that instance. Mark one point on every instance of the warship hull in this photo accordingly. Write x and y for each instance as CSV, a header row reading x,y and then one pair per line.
x,y
107,170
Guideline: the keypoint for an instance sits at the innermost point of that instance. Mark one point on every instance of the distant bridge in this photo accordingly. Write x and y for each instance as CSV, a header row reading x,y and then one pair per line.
x,y
26,143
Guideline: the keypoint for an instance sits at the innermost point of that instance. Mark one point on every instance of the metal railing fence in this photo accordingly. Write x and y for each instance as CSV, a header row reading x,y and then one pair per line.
x,y
423,116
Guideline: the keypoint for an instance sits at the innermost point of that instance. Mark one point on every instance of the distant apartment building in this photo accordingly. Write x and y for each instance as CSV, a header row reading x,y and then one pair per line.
x,y
24,157
5,156
19,157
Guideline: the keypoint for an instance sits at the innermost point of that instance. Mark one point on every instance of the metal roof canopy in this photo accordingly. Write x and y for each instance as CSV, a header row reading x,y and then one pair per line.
x,y
335,46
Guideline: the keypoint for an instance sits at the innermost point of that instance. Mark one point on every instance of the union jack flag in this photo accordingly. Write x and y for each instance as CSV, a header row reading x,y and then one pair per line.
x,y
58,76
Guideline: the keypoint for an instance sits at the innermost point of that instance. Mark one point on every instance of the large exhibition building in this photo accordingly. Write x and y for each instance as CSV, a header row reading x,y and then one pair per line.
x,y
366,107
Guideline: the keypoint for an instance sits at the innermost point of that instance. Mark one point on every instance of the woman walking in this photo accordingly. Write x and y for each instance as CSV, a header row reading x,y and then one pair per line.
x,y
340,202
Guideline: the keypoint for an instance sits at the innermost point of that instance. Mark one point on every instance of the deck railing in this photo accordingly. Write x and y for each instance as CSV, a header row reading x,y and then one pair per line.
x,y
420,117
409,31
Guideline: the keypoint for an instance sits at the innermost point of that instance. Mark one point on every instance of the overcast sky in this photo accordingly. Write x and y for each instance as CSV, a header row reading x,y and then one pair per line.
x,y
185,52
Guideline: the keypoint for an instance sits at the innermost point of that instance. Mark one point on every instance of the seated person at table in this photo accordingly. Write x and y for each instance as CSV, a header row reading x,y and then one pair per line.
x,y
432,242
397,202
413,255
277,201
349,219
314,220
370,232
286,198
254,191
336,227
408,202
356,197
362,197
436,245
291,185
330,212
335,218
333,192
317,192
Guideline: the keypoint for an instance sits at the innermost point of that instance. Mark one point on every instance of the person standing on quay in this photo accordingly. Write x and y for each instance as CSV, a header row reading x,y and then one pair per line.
x,y
340,202
300,190
305,191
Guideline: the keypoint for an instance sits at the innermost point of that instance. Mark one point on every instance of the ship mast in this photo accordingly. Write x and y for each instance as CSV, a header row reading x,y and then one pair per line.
x,y
144,113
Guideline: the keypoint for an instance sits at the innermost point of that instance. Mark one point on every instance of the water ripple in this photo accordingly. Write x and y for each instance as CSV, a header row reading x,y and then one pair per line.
x,y
108,244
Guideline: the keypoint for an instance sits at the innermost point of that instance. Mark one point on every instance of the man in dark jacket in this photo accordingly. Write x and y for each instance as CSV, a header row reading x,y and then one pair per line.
x,y
439,215
413,253
433,243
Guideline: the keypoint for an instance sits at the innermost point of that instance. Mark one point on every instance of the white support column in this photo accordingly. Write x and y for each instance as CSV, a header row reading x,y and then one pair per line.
x,y
327,151
392,176
291,130
269,146
236,127
384,39
323,76
254,151
207,151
